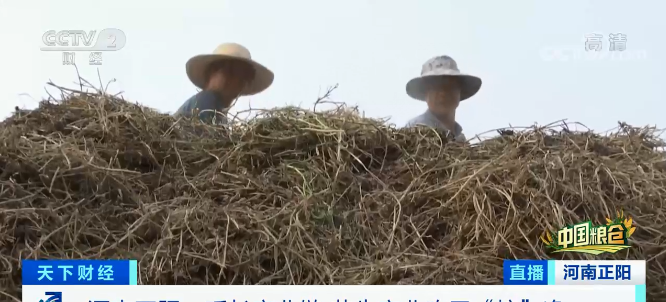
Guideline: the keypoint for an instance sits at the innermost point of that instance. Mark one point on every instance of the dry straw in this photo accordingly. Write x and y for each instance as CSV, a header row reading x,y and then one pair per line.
x,y
298,197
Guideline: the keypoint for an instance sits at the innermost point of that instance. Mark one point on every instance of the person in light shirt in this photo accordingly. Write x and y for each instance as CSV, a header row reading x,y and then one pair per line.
x,y
442,86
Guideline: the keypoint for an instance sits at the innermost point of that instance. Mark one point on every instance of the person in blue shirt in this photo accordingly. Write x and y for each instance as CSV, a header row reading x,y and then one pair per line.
x,y
442,86
223,76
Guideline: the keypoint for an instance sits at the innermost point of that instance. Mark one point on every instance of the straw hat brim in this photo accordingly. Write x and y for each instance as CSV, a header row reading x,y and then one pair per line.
x,y
417,88
196,71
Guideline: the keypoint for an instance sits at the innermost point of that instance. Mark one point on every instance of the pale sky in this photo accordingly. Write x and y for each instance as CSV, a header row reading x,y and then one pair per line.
x,y
530,54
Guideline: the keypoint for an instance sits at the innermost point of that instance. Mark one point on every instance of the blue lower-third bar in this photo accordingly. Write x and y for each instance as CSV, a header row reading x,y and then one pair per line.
x,y
526,272
641,293
79,272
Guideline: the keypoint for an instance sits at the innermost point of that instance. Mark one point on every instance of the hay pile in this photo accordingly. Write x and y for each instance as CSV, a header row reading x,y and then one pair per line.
x,y
295,197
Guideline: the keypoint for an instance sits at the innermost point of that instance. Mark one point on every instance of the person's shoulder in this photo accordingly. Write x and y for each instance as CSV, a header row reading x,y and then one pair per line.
x,y
185,109
417,120
204,97
201,100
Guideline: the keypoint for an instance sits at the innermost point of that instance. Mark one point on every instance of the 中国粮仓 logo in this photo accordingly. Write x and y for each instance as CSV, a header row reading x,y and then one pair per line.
x,y
588,238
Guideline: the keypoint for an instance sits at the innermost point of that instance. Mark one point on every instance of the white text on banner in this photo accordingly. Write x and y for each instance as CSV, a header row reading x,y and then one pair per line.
x,y
600,272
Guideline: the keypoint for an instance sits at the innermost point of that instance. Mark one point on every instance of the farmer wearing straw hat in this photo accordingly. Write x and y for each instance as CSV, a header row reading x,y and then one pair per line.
x,y
223,76
442,86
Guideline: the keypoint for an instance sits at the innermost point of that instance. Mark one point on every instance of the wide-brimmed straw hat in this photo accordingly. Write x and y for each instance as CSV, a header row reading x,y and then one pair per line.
x,y
197,66
442,66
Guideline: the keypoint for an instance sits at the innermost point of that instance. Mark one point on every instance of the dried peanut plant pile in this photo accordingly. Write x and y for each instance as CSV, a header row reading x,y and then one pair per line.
x,y
301,197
